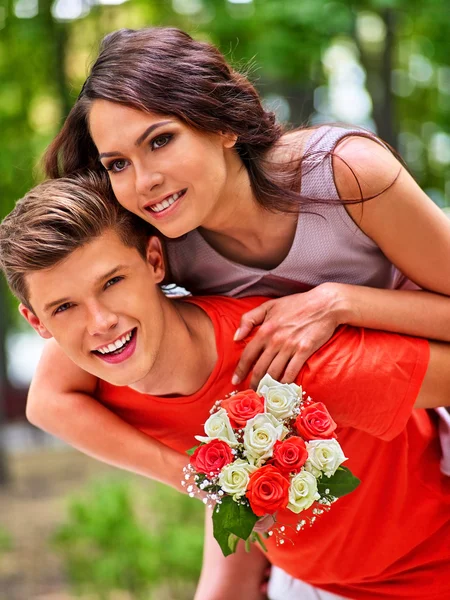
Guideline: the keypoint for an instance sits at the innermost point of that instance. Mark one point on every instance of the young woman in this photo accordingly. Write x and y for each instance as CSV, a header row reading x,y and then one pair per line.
x,y
325,220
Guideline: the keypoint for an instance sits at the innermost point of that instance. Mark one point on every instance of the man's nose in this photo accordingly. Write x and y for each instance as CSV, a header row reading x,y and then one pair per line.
x,y
101,320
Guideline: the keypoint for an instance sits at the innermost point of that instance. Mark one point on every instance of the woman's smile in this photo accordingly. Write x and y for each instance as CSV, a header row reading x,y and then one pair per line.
x,y
166,207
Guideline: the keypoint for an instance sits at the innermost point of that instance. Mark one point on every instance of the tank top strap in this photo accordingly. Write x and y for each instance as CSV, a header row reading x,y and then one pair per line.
x,y
317,178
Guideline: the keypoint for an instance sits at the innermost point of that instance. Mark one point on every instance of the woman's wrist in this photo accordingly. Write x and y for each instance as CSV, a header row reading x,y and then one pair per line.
x,y
341,302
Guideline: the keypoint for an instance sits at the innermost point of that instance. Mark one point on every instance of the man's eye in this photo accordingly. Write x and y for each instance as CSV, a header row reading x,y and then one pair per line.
x,y
63,307
113,281
117,165
161,140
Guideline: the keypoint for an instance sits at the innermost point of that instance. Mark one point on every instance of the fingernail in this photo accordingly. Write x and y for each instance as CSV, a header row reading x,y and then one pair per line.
x,y
235,380
236,335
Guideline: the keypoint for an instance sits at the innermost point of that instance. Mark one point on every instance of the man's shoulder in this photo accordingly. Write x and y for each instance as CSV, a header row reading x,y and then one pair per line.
x,y
223,306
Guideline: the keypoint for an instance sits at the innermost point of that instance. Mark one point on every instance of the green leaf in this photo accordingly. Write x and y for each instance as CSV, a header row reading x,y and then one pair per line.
x,y
191,451
221,534
237,518
233,541
231,518
341,483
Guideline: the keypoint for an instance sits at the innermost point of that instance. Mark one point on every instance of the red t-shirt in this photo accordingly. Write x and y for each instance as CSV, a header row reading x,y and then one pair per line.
x,y
390,538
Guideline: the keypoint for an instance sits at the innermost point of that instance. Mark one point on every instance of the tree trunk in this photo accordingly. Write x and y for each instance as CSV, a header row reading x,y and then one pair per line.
x,y
57,34
378,68
3,383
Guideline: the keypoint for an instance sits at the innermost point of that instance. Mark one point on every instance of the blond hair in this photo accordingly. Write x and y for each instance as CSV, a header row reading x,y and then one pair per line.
x,y
57,217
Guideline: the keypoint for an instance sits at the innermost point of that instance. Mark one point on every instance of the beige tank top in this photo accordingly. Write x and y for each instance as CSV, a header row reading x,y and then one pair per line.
x,y
328,245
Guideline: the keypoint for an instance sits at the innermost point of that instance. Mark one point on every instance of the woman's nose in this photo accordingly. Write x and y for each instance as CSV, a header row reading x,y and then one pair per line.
x,y
147,180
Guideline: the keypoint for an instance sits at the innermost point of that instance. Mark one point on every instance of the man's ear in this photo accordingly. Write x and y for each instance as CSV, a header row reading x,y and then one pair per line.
x,y
155,257
35,323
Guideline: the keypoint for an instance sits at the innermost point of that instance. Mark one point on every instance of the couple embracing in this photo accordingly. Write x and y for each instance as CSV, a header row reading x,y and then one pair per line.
x,y
303,250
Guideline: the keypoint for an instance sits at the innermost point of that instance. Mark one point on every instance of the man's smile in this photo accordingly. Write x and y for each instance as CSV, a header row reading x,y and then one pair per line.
x,y
119,350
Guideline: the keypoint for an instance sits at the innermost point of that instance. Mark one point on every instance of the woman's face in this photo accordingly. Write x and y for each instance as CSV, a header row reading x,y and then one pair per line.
x,y
171,175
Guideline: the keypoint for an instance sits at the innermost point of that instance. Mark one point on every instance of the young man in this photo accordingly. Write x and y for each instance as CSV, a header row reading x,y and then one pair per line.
x,y
87,274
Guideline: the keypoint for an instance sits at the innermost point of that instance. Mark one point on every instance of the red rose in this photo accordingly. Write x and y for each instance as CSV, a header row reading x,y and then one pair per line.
x,y
210,458
267,490
243,406
315,423
290,456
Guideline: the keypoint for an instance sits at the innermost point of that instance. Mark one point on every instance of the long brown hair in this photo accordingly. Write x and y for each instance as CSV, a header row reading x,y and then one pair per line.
x,y
164,70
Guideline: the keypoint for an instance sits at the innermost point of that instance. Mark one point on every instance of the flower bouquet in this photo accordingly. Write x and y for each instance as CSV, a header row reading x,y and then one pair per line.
x,y
262,452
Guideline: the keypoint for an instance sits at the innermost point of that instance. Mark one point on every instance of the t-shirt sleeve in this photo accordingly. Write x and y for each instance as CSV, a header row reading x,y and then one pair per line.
x,y
368,379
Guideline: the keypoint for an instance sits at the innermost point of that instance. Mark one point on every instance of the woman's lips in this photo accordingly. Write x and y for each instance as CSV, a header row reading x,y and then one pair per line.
x,y
169,210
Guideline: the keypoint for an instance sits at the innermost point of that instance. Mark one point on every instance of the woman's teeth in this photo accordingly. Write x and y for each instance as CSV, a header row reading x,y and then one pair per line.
x,y
165,203
116,345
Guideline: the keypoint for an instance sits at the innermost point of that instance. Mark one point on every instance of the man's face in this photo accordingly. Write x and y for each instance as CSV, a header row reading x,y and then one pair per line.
x,y
103,306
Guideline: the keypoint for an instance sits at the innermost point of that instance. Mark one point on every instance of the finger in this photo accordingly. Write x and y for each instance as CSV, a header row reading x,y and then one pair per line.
x,y
261,366
294,366
250,320
248,359
279,364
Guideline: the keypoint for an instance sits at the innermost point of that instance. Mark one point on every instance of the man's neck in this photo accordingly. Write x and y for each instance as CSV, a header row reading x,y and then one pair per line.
x,y
187,355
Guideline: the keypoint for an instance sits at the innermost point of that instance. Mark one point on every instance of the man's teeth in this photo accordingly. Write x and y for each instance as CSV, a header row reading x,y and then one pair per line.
x,y
165,203
116,345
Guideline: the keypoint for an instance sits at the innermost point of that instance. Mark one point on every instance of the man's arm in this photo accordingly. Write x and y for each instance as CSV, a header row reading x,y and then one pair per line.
x,y
237,577
61,402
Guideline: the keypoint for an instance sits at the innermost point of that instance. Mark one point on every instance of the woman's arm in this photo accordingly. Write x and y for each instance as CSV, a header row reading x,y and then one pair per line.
x,y
61,402
408,227
435,389
411,231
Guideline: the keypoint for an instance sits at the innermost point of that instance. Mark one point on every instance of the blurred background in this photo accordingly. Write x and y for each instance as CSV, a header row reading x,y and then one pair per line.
x,y
69,526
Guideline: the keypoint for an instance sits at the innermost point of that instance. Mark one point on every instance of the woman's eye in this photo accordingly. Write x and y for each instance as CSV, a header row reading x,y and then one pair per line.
x,y
113,281
161,140
117,165
63,307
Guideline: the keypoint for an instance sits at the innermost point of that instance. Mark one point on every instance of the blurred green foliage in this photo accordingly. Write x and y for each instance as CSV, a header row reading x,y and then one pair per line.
x,y
117,538
6,543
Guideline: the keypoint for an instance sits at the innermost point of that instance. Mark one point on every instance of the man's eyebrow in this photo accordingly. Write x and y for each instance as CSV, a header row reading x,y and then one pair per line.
x,y
140,139
107,275
50,305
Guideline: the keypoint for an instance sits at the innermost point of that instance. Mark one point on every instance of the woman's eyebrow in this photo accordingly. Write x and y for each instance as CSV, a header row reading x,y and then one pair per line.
x,y
140,139
149,130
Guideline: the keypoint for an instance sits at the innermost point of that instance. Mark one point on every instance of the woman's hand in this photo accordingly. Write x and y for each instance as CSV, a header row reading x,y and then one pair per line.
x,y
291,329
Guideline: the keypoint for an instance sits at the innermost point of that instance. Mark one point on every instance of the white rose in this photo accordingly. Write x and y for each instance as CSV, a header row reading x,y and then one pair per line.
x,y
311,469
234,477
218,426
324,456
302,492
260,435
280,398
